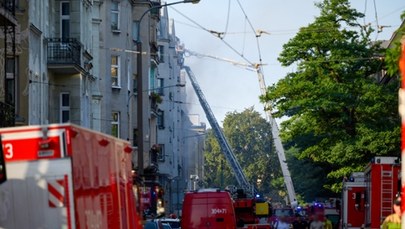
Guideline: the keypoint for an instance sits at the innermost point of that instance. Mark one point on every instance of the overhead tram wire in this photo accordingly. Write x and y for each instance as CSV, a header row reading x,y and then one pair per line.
x,y
253,29
365,10
227,19
214,33
244,37
376,20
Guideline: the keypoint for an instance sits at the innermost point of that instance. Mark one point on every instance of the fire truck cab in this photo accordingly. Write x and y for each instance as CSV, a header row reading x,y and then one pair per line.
x,y
66,176
208,208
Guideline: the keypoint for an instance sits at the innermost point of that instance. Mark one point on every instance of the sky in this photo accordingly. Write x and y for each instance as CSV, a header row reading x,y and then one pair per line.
x,y
228,87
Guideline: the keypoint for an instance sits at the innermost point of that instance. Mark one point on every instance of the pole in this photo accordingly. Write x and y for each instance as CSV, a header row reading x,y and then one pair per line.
x,y
139,109
178,198
222,173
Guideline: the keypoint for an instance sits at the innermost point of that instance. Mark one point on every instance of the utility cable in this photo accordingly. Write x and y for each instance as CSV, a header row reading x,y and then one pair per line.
x,y
227,19
258,34
379,29
244,37
365,10
376,15
214,33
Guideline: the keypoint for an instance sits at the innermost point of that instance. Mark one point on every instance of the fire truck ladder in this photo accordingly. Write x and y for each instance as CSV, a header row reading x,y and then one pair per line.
x,y
225,147
274,127
277,140
387,185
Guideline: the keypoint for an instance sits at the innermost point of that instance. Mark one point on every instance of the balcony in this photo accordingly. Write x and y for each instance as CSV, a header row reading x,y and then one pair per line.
x,y
7,12
64,55
7,116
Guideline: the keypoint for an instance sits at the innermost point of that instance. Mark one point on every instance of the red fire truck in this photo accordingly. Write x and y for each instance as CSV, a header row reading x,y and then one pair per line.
x,y
367,196
66,176
383,184
208,208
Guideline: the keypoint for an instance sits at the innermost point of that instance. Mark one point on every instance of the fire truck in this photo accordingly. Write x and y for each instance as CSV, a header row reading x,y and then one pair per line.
x,y
367,196
66,176
248,208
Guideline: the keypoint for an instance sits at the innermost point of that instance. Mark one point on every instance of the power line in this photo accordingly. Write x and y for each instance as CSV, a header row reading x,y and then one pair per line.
x,y
227,18
214,33
253,30
365,10
376,19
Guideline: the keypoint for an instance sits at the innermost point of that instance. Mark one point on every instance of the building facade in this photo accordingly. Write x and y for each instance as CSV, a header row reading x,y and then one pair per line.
x,y
109,65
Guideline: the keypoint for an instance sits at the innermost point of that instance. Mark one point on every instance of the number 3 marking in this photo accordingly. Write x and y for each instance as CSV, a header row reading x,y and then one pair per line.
x,y
9,151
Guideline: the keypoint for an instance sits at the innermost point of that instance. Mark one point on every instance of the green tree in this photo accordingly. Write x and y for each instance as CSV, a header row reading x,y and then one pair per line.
x,y
393,53
308,177
249,136
339,117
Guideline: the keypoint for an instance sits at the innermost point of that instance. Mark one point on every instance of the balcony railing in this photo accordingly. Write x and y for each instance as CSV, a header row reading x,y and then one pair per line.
x,y
7,115
63,51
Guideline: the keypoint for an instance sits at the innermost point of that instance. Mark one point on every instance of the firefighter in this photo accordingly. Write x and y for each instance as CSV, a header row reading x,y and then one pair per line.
x,y
327,224
299,222
282,223
316,222
393,221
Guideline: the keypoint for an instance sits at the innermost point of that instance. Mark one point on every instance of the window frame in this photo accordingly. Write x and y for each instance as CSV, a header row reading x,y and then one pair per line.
x,y
161,154
117,66
64,18
160,86
115,12
115,122
63,108
160,119
161,53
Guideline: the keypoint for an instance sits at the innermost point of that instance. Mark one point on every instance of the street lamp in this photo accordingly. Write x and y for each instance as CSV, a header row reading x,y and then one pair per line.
x,y
139,82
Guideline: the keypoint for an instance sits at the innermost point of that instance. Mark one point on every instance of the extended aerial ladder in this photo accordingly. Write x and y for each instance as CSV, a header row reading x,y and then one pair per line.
x,y
225,147
274,127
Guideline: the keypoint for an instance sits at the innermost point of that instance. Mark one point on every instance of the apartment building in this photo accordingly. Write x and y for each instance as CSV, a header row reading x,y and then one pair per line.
x,y
82,61
170,114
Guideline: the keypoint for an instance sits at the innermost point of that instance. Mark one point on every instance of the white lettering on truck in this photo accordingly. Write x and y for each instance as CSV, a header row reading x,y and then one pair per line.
x,y
216,211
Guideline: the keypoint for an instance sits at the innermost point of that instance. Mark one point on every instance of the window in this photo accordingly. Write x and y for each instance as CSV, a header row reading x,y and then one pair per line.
x,y
115,71
160,87
152,78
64,20
135,83
64,115
10,68
160,119
115,124
161,154
161,53
115,16
135,30
135,137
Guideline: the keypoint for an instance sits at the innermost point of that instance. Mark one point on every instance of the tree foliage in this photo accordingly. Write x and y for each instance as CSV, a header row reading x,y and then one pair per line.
x,y
249,136
339,116
393,53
